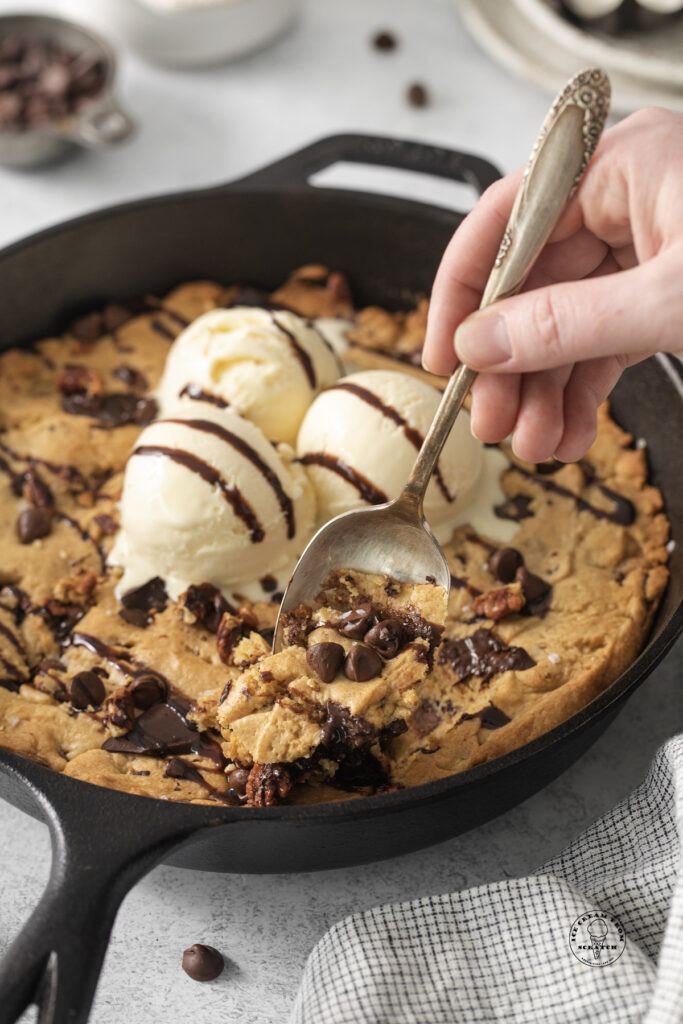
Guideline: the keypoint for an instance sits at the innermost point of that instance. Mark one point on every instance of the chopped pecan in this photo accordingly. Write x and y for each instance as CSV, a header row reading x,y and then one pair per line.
x,y
61,617
76,589
247,616
496,604
204,605
229,634
268,785
339,288
77,379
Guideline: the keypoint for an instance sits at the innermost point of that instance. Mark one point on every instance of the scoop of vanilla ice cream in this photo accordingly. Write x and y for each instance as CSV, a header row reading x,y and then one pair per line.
x,y
360,438
207,498
266,365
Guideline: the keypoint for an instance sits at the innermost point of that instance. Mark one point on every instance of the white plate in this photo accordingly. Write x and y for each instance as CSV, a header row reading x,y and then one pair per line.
x,y
531,39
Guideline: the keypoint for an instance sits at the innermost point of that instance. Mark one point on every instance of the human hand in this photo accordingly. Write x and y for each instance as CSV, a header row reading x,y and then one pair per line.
x,y
606,292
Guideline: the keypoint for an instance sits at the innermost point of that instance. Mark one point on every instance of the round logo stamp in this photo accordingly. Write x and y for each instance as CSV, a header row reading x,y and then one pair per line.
x,y
597,939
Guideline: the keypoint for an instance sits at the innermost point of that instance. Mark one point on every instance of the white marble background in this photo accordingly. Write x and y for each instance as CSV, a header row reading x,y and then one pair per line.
x,y
205,127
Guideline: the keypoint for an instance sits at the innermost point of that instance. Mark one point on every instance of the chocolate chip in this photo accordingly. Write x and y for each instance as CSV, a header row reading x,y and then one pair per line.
x,y
417,95
115,316
385,637
515,508
88,328
503,564
237,781
151,596
357,622
136,617
131,377
483,654
325,659
34,523
362,663
86,690
206,604
202,963
148,688
424,718
145,411
384,41
536,591
107,524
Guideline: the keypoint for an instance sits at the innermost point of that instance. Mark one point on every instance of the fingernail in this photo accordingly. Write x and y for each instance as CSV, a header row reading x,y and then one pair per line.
x,y
483,341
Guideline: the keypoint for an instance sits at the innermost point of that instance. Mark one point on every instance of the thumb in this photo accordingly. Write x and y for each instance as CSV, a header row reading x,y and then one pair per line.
x,y
630,313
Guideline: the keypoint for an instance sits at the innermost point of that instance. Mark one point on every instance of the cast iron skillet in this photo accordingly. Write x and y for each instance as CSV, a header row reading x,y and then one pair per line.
x,y
257,230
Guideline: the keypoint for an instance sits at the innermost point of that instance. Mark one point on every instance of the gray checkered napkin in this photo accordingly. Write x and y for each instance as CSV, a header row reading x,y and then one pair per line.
x,y
528,950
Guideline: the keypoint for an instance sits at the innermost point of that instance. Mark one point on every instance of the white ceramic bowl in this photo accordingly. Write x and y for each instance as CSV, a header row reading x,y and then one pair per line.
x,y
192,33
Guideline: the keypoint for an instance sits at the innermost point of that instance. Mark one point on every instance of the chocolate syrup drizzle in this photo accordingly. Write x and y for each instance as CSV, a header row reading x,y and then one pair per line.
x,y
161,329
300,353
367,490
240,445
11,637
198,394
412,435
232,495
623,513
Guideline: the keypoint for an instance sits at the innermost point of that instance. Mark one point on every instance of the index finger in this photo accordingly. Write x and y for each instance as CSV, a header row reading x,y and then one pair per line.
x,y
466,264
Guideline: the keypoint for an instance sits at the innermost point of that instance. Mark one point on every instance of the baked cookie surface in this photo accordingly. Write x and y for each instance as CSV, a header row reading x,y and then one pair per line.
x,y
182,700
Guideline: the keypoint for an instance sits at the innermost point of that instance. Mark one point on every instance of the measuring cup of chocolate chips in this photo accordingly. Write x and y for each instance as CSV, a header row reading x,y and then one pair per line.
x,y
56,90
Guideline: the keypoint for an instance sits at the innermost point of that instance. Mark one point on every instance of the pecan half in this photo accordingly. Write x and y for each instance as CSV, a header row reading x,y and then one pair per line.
x,y
496,604
268,785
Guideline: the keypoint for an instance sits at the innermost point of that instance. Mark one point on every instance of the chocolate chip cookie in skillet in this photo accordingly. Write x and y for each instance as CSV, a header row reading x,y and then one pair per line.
x,y
153,506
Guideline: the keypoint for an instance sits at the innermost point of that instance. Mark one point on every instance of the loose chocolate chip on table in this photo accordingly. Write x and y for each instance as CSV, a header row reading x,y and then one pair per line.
x,y
148,688
504,563
384,41
357,622
86,690
417,95
385,637
34,523
362,663
325,659
202,963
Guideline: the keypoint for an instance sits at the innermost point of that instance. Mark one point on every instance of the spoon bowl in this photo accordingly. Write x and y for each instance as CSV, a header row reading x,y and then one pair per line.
x,y
393,539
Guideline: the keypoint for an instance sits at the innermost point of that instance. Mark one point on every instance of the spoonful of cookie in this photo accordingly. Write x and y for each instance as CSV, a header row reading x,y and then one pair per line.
x,y
394,539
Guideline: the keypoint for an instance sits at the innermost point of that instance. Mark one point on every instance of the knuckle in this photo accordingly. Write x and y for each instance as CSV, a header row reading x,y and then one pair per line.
x,y
546,320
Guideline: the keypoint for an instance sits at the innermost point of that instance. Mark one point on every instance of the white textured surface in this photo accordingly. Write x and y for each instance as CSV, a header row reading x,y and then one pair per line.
x,y
206,127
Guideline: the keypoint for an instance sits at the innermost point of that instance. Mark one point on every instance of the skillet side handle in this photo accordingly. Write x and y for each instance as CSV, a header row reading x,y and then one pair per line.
x,y
56,959
294,171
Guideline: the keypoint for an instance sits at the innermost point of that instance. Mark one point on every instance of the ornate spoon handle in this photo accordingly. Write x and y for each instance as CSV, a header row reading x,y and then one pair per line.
x,y
560,155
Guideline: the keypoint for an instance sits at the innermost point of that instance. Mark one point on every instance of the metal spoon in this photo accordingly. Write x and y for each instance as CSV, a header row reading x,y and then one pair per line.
x,y
394,539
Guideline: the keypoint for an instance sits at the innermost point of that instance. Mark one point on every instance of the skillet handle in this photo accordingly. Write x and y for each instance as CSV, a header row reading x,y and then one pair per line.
x,y
294,171
56,959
